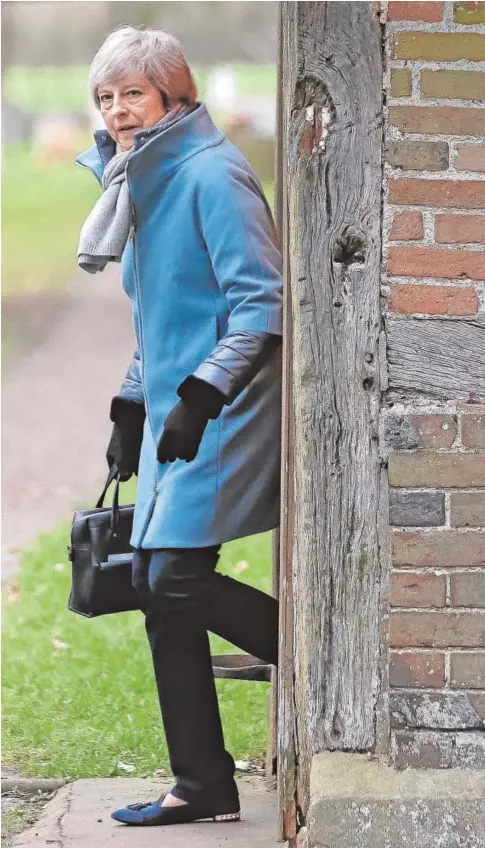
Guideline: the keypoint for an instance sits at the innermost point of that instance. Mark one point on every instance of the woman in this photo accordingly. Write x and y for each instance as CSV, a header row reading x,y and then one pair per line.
x,y
198,415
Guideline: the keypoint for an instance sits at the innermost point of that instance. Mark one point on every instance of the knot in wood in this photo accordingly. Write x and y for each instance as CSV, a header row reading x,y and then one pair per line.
x,y
313,102
350,247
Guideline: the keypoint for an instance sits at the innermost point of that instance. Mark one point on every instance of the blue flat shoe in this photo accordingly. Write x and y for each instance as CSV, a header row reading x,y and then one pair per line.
x,y
153,813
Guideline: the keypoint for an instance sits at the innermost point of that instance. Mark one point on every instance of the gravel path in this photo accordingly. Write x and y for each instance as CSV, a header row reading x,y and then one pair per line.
x,y
55,421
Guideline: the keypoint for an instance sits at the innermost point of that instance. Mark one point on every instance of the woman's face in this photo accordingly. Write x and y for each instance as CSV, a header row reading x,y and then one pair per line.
x,y
128,104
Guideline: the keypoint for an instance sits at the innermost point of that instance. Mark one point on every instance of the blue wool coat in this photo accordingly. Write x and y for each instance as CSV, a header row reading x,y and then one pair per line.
x,y
202,263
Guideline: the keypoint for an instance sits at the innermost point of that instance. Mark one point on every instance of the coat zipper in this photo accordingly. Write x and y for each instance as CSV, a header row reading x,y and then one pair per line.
x,y
137,290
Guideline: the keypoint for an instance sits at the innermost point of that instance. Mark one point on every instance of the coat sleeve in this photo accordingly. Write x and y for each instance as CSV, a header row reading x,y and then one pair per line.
x,y
131,388
240,236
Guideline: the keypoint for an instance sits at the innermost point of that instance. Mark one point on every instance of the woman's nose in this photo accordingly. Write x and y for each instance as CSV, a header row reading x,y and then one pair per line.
x,y
118,106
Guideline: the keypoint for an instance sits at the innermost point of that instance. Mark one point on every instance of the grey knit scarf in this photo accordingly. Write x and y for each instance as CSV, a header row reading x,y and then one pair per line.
x,y
106,229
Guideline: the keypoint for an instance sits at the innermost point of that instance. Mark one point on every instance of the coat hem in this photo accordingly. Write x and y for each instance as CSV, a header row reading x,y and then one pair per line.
x,y
178,542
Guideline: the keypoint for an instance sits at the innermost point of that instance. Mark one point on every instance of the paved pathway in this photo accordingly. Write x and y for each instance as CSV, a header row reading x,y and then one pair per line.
x,y
79,817
55,412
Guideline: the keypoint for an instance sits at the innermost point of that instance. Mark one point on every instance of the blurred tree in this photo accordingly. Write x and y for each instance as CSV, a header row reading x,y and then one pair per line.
x,y
7,33
16,126
53,33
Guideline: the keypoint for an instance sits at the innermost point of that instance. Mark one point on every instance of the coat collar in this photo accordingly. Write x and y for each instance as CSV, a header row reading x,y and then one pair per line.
x,y
167,148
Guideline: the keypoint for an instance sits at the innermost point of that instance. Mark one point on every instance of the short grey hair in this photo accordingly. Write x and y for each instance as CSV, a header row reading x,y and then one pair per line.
x,y
154,53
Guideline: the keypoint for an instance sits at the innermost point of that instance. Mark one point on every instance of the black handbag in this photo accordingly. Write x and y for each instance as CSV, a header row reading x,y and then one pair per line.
x,y
102,557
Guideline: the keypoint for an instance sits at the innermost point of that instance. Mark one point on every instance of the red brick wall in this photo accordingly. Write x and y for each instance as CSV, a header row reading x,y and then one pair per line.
x,y
434,265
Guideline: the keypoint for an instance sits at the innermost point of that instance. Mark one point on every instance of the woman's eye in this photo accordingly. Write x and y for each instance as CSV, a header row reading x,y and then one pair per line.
x,y
134,91
104,98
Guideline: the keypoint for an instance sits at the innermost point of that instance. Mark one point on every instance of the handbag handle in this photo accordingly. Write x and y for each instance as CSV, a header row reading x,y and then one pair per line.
x,y
114,474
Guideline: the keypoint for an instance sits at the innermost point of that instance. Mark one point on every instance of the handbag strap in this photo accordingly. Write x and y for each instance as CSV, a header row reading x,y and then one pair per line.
x,y
114,474
115,509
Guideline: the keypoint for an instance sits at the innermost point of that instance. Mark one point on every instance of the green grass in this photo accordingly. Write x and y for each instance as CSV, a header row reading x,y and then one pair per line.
x,y
77,711
43,207
65,89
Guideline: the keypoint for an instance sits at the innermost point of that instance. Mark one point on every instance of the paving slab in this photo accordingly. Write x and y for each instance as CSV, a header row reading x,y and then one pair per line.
x,y
79,817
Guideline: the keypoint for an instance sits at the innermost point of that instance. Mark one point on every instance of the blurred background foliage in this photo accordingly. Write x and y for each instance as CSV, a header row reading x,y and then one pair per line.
x,y
47,119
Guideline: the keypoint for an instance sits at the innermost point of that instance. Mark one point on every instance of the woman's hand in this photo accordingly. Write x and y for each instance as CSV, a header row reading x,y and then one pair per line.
x,y
126,438
182,433
185,424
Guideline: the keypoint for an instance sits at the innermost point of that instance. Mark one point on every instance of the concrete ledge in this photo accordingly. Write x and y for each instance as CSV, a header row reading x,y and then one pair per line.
x,y
357,802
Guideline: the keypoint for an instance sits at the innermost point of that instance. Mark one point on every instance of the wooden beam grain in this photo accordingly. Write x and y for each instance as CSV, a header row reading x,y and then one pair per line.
x,y
286,754
442,358
332,125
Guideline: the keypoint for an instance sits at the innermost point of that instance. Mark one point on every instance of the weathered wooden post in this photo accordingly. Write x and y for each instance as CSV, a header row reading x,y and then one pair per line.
x,y
332,128
384,364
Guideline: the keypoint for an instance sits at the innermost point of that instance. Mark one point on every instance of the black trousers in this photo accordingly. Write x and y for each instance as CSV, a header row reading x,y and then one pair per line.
x,y
182,598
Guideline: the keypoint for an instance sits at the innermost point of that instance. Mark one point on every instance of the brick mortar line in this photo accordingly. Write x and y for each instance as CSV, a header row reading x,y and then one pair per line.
x,y
459,450
426,732
447,590
464,282
447,669
440,609
430,409
404,316
441,27
460,531
411,242
449,650
438,490
435,282
436,690
410,529
441,247
477,143
437,570
415,85
393,208
435,102
447,245
481,299
433,407
434,176
462,213
447,499
428,227
395,134
449,13
460,650
436,210
459,429
436,65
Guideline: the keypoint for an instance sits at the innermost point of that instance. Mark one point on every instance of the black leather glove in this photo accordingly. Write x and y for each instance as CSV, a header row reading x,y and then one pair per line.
x,y
185,424
125,444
